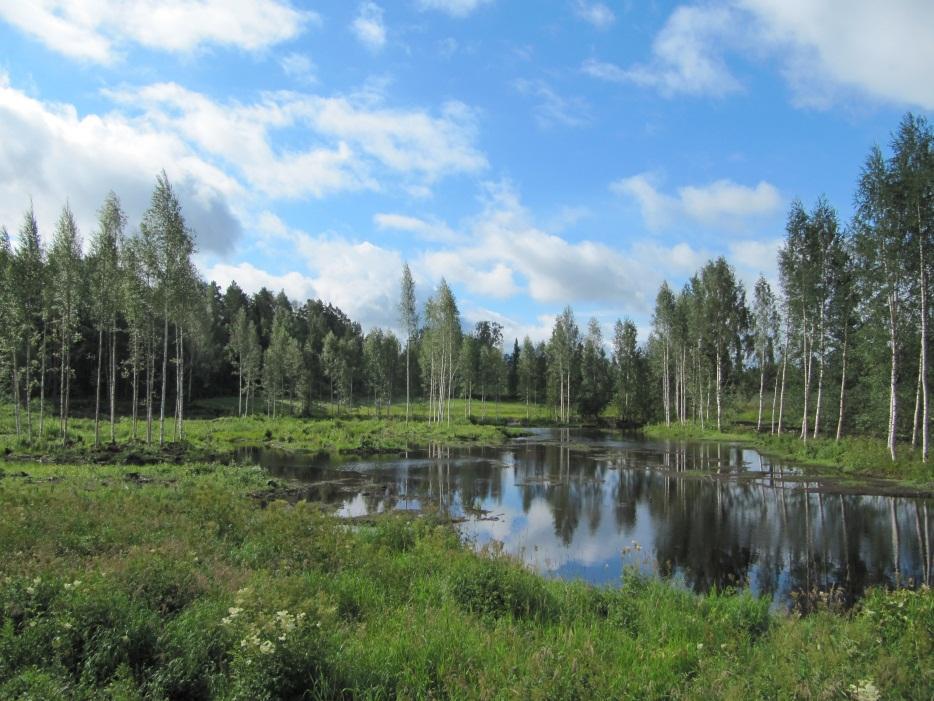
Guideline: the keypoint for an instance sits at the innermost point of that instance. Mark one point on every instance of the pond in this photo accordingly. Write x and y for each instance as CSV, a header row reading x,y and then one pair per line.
x,y
591,504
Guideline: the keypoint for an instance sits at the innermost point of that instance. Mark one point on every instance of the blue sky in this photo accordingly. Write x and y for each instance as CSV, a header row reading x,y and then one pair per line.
x,y
534,154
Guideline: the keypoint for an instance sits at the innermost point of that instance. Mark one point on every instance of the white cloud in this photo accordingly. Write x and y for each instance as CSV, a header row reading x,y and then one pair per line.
x,y
828,50
360,277
368,26
719,203
881,49
97,30
251,279
299,66
352,142
454,8
51,153
509,254
427,229
686,56
596,13
553,109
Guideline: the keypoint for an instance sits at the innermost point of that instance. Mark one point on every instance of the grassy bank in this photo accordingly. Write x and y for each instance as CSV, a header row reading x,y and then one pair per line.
x,y
174,583
865,457
350,431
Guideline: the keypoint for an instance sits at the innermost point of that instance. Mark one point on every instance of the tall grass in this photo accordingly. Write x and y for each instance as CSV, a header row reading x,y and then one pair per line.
x,y
180,585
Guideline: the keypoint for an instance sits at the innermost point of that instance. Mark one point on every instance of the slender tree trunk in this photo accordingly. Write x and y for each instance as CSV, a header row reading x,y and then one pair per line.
x,y
806,351
781,400
15,373
29,388
165,373
842,387
774,403
61,385
67,396
150,379
761,389
97,389
408,344
719,384
135,410
113,380
820,376
181,374
924,346
893,378
178,386
917,413
42,383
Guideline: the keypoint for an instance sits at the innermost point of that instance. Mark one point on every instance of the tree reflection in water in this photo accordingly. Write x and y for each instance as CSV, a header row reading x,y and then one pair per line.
x,y
708,515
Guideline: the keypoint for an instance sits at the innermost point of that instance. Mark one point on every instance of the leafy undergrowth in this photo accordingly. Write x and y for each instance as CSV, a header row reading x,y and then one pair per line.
x,y
867,457
174,583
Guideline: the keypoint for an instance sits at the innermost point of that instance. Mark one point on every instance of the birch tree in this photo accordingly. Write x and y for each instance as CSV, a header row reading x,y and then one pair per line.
x,y
408,315
29,281
168,246
66,282
883,246
105,292
765,322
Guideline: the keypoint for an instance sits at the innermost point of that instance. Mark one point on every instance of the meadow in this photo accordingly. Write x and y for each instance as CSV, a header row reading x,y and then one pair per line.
x,y
174,581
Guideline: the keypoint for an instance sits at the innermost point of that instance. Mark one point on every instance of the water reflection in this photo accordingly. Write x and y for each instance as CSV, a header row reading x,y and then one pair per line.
x,y
589,504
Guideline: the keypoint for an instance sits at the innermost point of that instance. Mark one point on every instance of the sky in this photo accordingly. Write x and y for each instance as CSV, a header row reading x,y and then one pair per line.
x,y
534,154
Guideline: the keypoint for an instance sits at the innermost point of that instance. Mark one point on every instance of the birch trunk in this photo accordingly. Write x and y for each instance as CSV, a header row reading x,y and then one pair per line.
x,y
165,369
781,400
924,352
97,389
893,397
820,375
113,381
42,383
761,390
19,428
842,388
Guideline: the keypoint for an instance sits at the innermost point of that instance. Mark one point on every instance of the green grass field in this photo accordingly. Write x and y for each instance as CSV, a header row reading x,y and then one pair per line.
x,y
176,583
215,429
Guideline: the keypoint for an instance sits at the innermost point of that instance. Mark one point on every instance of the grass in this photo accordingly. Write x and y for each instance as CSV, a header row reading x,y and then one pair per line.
x,y
351,431
852,456
177,584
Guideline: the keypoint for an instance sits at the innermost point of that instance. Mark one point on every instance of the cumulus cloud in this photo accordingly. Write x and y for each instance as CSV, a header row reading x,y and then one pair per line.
x,y
360,277
51,153
354,141
595,13
509,254
822,49
884,50
454,8
97,30
719,203
368,26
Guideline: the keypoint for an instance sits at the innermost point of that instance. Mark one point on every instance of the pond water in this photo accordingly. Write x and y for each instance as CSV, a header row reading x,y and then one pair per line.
x,y
589,505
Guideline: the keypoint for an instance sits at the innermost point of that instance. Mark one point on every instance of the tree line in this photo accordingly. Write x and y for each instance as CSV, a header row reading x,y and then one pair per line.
x,y
130,328
842,345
